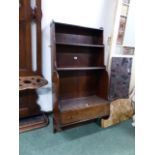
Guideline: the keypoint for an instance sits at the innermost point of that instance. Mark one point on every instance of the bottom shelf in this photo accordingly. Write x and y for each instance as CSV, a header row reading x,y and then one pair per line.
x,y
27,124
81,103
82,109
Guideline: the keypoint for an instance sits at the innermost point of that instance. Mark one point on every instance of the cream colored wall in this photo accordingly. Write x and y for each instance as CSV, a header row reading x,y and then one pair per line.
x,y
110,8
129,39
80,12
94,13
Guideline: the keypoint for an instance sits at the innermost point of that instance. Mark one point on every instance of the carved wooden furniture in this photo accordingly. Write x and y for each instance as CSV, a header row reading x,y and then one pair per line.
x,y
31,82
29,79
79,75
120,110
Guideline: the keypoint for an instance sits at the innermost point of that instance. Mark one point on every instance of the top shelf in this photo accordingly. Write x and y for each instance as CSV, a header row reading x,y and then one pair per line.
x,y
60,26
79,44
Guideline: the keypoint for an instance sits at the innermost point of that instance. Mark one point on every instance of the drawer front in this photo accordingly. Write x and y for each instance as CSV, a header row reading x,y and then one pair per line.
x,y
85,114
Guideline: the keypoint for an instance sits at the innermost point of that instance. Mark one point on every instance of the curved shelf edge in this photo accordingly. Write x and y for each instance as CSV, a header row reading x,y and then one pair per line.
x,y
31,82
79,68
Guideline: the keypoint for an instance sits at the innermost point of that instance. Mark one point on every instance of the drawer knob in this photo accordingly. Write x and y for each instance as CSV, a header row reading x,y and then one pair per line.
x,y
75,58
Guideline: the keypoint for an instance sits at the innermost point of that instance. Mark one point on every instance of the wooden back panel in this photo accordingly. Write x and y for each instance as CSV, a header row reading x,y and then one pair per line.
x,y
75,84
86,57
77,34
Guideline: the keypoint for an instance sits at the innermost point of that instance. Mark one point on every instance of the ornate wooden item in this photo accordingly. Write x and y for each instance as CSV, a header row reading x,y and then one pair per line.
x,y
29,79
120,110
79,75
31,82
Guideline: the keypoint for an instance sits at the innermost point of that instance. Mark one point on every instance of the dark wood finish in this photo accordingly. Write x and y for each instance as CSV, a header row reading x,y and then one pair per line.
x,y
79,75
27,15
79,68
28,78
79,56
77,109
28,103
79,44
75,84
33,123
25,58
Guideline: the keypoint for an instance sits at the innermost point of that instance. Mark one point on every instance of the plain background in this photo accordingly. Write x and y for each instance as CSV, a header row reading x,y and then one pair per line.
x,y
94,13
145,77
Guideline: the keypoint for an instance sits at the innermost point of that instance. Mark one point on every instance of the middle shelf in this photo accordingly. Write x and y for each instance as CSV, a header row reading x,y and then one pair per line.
x,y
79,68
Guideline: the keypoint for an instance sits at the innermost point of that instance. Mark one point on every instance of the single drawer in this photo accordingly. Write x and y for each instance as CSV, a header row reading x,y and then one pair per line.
x,y
85,114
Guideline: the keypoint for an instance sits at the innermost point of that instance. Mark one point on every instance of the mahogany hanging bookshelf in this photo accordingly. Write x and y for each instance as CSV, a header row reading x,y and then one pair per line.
x,y
79,76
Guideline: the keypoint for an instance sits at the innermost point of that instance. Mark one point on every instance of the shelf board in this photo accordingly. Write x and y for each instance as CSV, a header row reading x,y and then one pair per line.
x,y
81,103
79,44
78,26
79,68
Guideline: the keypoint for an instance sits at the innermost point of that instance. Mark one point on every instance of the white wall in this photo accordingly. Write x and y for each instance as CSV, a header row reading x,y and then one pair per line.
x,y
89,13
129,38
108,24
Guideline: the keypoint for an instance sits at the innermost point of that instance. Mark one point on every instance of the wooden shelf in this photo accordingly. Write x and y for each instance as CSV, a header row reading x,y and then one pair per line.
x,y
79,68
81,103
78,26
79,44
79,75
31,82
